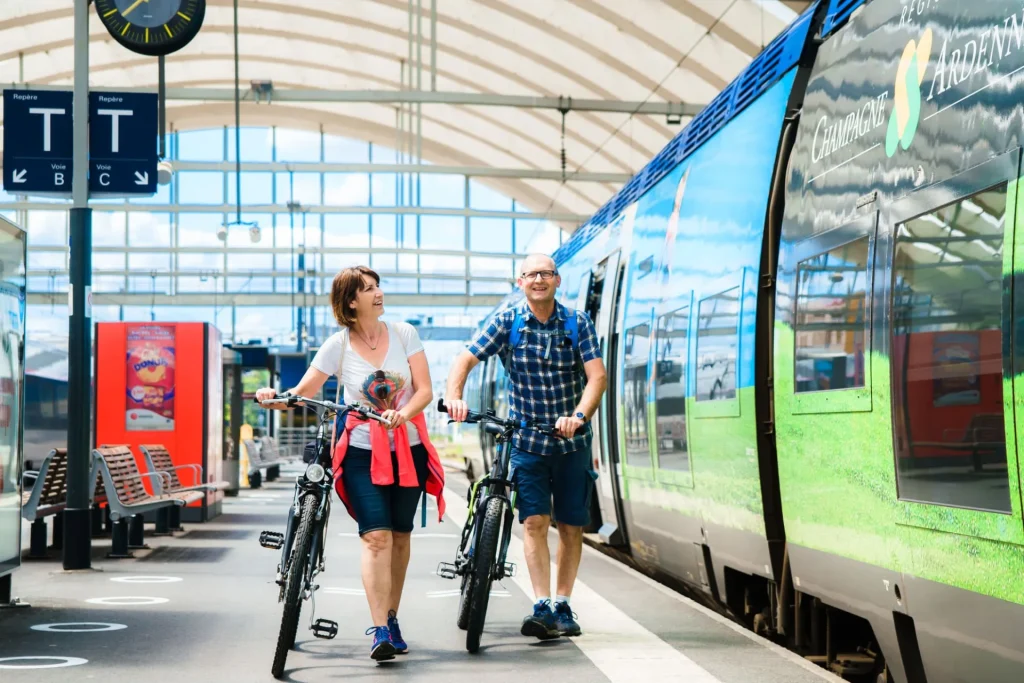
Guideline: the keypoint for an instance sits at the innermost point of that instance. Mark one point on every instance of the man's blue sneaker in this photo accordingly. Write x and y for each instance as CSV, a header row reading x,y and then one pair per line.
x,y
396,634
565,620
382,648
541,624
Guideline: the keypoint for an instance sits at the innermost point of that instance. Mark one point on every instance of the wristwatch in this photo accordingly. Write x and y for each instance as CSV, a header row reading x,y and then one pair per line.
x,y
581,416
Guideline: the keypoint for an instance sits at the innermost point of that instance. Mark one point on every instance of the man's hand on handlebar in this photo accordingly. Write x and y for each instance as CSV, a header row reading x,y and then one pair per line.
x,y
567,426
458,410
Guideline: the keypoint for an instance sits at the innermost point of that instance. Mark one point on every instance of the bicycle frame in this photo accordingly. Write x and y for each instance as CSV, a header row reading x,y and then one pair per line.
x,y
495,485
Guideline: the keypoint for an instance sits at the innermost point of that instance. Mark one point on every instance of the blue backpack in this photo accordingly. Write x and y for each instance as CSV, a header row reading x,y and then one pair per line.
x,y
572,332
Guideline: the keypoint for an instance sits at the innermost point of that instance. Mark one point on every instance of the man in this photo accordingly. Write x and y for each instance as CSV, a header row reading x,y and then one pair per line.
x,y
555,382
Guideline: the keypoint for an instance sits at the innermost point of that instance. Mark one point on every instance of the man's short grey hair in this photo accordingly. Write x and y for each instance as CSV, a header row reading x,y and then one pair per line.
x,y
522,264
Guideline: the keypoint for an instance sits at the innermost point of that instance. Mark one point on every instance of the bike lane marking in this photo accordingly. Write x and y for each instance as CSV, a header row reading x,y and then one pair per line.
x,y
622,649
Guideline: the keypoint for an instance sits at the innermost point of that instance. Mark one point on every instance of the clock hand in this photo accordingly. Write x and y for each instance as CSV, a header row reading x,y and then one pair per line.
x,y
134,5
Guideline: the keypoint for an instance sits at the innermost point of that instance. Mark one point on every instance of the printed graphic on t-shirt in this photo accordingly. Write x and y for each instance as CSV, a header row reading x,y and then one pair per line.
x,y
384,390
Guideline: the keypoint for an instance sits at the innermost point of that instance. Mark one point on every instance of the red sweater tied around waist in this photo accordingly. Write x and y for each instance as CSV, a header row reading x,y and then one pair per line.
x,y
381,469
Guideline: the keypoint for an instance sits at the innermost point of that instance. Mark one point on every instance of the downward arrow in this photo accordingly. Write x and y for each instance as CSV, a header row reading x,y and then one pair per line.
x,y
19,176
142,178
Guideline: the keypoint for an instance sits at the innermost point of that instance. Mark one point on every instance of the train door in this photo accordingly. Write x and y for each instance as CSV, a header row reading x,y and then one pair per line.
x,y
603,307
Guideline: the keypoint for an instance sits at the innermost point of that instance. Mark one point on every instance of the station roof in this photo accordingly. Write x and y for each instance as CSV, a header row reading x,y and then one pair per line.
x,y
672,51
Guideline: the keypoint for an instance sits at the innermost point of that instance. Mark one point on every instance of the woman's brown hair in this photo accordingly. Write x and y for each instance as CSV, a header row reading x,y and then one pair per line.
x,y
347,284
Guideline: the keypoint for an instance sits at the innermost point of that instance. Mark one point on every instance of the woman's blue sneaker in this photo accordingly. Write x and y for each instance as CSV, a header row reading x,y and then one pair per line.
x,y
566,620
396,634
382,648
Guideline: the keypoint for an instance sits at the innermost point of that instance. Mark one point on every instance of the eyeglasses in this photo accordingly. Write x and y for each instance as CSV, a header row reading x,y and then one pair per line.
x,y
542,274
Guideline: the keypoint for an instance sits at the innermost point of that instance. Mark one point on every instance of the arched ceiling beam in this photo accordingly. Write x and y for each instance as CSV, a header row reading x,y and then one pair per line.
x,y
610,156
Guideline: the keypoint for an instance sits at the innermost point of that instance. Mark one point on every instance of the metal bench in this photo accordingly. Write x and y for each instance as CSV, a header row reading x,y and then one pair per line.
x,y
158,459
263,455
47,496
128,499
983,436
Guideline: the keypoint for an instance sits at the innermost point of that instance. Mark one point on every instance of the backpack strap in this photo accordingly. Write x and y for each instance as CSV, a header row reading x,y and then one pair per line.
x,y
515,333
343,339
572,327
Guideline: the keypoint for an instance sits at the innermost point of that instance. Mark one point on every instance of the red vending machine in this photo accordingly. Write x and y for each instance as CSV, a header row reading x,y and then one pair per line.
x,y
161,384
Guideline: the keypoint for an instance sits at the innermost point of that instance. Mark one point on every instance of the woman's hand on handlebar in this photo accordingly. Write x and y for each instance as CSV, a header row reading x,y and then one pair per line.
x,y
395,418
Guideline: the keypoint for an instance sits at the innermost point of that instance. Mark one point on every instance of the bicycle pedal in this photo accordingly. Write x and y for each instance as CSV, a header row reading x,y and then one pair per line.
x,y
325,628
272,540
446,570
510,569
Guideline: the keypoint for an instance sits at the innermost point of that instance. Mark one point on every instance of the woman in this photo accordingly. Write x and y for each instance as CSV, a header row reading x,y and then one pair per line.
x,y
380,472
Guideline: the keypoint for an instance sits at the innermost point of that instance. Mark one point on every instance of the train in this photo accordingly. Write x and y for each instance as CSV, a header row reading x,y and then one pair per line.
x,y
808,307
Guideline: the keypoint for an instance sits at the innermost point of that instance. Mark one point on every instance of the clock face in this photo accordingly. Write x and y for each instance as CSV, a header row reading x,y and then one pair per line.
x,y
152,27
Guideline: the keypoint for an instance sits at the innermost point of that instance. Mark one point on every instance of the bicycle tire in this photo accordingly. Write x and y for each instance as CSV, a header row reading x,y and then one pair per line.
x,y
484,554
293,584
464,601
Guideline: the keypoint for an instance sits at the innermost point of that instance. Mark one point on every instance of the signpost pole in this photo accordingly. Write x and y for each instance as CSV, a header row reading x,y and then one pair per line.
x,y
77,536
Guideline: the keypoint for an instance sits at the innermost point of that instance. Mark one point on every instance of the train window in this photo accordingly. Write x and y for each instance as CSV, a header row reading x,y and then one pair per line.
x,y
830,318
717,346
670,353
947,355
638,340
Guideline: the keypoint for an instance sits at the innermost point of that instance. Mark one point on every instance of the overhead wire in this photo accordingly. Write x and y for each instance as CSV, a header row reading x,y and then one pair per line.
x,y
618,129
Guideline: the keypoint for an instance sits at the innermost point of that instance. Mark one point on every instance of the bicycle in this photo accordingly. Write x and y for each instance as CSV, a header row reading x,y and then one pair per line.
x,y
480,558
303,543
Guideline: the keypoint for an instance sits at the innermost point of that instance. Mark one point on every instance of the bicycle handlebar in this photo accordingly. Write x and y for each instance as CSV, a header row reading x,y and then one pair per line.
x,y
473,417
291,399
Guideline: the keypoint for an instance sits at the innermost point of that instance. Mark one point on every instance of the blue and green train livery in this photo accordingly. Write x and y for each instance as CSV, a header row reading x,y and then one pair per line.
x,y
808,305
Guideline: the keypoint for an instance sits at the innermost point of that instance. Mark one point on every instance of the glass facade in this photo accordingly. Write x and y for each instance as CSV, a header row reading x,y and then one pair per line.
x,y
313,221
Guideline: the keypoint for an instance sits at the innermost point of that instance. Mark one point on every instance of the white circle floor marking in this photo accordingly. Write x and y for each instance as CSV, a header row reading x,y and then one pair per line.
x,y
127,601
90,627
62,662
147,579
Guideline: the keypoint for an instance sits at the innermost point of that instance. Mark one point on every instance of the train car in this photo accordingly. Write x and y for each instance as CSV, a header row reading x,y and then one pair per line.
x,y
46,404
807,306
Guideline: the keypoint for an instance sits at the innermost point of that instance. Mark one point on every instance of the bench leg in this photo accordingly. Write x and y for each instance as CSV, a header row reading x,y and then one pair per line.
x,y
255,479
119,541
37,543
273,472
97,522
107,522
163,522
135,528
174,518
58,531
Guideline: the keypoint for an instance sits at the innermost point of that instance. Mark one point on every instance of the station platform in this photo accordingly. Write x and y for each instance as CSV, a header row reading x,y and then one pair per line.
x,y
202,605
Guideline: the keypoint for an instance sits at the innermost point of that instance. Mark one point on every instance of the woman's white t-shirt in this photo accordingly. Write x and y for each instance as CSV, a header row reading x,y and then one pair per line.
x,y
388,387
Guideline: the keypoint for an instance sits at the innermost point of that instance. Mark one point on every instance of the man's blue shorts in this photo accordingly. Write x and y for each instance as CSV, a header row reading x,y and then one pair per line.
x,y
569,477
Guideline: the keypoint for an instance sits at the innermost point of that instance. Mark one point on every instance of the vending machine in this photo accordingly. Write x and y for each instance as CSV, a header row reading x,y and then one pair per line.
x,y
162,384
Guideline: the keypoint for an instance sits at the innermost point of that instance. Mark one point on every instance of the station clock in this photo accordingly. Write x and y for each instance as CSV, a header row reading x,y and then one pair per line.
x,y
152,27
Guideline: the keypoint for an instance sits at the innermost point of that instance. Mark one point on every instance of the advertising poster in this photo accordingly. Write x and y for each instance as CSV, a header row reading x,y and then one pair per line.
x,y
955,359
149,392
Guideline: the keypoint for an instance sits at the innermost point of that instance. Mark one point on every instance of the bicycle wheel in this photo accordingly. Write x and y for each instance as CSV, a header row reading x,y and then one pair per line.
x,y
293,583
480,591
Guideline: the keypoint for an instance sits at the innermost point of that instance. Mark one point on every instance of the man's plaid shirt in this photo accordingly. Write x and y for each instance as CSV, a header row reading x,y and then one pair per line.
x,y
546,377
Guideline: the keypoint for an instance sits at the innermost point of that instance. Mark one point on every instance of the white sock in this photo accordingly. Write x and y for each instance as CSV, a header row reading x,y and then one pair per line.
x,y
562,598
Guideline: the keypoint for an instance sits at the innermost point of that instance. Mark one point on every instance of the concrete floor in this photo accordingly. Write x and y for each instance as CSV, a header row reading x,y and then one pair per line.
x,y
207,610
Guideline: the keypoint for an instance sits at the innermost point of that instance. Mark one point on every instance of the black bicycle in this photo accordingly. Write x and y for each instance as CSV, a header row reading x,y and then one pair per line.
x,y
303,542
480,558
